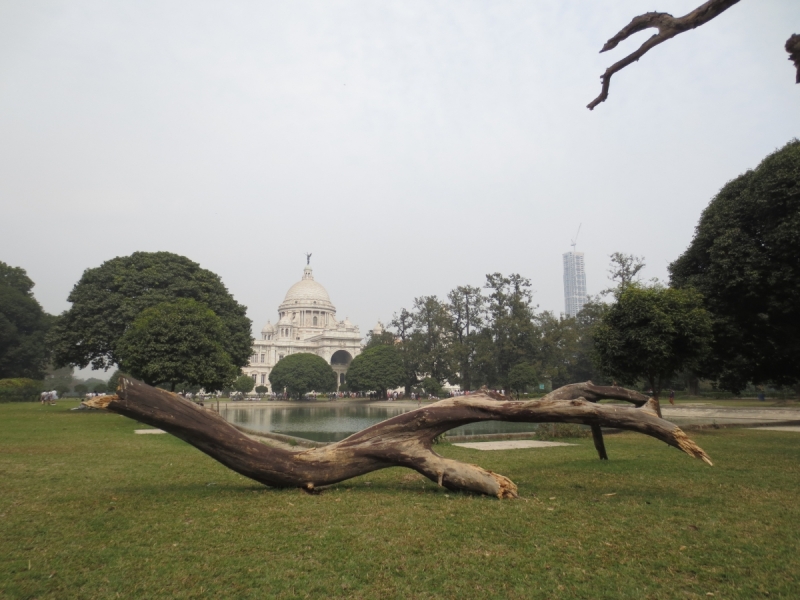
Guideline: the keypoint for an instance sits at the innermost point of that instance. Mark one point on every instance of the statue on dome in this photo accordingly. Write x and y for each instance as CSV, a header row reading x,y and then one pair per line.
x,y
308,258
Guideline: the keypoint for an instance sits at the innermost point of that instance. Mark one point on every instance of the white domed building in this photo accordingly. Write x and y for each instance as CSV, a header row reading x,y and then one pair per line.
x,y
306,323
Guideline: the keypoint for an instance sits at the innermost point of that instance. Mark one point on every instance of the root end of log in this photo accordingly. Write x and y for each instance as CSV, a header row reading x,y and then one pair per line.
x,y
100,401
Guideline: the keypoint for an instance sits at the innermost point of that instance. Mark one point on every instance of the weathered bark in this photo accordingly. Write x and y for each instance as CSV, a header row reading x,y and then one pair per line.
x,y
793,48
405,440
668,27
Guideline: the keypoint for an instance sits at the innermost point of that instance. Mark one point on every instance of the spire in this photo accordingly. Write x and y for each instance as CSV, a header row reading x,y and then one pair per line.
x,y
307,273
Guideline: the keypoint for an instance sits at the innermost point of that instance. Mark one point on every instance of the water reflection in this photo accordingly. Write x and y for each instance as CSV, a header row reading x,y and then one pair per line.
x,y
334,423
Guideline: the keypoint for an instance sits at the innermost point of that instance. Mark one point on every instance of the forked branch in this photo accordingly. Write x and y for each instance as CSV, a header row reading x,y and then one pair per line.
x,y
404,441
668,27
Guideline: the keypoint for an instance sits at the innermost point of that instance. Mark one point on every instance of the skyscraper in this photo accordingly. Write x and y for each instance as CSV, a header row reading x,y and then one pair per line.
x,y
574,283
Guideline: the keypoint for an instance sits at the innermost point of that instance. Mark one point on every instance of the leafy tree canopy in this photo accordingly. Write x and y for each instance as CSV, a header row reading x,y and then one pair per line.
x,y
624,270
179,341
467,308
113,381
652,333
23,326
745,260
431,386
521,377
244,384
261,389
384,338
109,298
379,368
511,336
302,373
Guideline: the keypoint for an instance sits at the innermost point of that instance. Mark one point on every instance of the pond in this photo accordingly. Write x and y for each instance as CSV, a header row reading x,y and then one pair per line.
x,y
335,423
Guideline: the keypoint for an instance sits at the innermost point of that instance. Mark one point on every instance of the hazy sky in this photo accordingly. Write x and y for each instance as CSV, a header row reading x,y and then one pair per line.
x,y
411,146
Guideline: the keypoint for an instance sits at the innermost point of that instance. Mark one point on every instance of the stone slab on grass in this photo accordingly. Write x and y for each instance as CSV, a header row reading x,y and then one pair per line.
x,y
510,445
795,428
148,431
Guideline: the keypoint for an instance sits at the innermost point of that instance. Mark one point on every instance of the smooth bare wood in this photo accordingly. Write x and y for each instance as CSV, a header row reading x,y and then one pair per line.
x,y
405,440
668,27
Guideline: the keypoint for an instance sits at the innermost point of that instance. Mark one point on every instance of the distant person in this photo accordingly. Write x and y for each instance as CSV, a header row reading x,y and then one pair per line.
x,y
672,396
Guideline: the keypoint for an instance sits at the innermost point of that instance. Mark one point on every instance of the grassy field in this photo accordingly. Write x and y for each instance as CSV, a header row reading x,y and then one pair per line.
x,y
90,510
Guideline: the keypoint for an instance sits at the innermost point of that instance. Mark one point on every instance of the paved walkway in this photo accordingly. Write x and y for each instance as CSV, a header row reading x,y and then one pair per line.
x,y
510,445
793,428
715,414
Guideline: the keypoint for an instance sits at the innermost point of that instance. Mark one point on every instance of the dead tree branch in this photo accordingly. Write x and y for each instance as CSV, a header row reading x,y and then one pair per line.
x,y
668,27
793,48
405,440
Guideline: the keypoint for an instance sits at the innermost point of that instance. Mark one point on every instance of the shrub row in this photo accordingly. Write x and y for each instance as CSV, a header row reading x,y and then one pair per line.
x,y
20,390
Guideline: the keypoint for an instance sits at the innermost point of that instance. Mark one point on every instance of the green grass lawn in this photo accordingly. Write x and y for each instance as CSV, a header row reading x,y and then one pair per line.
x,y
90,510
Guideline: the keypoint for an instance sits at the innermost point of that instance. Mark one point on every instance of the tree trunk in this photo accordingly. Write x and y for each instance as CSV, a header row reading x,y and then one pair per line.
x,y
404,440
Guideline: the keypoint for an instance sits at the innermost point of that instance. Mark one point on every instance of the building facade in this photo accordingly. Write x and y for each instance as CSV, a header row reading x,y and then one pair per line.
x,y
306,323
574,283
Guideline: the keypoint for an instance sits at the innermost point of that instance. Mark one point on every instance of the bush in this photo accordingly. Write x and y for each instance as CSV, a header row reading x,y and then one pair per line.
x,y
20,390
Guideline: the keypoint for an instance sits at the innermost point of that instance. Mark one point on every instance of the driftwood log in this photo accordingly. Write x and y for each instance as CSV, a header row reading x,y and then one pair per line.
x,y
404,441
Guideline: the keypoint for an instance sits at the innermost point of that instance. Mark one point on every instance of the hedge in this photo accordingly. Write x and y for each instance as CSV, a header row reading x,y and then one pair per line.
x,y
20,390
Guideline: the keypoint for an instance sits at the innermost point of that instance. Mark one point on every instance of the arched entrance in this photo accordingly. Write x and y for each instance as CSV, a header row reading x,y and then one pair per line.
x,y
341,357
340,360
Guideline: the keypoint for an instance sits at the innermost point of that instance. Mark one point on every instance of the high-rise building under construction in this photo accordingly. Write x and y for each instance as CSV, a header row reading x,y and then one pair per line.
x,y
574,283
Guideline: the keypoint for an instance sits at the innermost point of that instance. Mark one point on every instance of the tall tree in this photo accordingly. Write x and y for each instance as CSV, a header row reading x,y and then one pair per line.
x,y
521,377
624,270
379,368
174,342
557,348
745,260
431,338
466,308
301,373
23,326
109,298
653,333
403,324
586,365
511,333
379,338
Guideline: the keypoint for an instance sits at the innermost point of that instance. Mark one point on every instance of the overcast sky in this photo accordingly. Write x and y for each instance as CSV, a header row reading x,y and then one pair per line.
x,y
412,146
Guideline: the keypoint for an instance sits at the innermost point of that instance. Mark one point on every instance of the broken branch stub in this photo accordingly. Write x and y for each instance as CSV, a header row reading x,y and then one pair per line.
x,y
404,441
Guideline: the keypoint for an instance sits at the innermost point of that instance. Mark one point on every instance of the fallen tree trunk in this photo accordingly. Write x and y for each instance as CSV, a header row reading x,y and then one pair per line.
x,y
404,441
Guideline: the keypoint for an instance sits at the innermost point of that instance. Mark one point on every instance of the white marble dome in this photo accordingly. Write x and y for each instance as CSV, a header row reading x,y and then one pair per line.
x,y
307,293
268,328
307,290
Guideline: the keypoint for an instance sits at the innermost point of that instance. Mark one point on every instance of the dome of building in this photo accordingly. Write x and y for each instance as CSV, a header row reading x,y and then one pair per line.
x,y
307,292
268,328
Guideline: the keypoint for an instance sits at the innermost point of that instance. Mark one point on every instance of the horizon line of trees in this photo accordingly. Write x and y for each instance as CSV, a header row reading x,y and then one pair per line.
x,y
730,315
